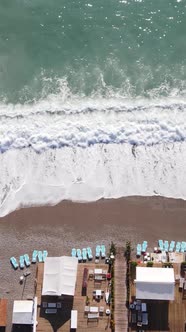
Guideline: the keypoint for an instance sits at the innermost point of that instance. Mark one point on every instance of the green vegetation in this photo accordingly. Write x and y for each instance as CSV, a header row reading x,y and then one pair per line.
x,y
133,265
150,264
127,254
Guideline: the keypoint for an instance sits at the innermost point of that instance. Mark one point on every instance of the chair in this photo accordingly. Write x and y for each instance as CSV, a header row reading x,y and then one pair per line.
x,y
89,253
45,254
90,274
101,311
84,254
27,260
34,256
86,309
44,304
103,252
40,256
21,262
145,318
79,256
98,250
133,318
73,252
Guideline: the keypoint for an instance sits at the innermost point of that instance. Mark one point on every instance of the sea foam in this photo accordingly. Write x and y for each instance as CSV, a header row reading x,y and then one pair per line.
x,y
86,149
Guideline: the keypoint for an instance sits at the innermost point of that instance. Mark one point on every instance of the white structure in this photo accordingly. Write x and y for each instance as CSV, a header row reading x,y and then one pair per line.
x,y
23,312
60,276
74,315
154,283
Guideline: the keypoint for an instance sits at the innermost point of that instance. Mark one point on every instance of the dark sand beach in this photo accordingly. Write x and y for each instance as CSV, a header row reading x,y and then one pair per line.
x,y
67,225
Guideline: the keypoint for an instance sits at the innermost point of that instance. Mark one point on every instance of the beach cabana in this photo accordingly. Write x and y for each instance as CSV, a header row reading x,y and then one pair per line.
x,y
154,283
25,314
59,276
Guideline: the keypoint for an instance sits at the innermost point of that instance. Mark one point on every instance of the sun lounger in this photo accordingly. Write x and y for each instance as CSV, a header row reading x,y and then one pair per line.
x,y
40,256
73,252
14,262
103,251
98,251
84,254
21,262
138,250
144,318
89,253
27,260
45,254
79,256
34,256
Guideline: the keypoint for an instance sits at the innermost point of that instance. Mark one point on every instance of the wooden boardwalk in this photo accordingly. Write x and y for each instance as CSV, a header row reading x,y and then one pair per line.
x,y
121,311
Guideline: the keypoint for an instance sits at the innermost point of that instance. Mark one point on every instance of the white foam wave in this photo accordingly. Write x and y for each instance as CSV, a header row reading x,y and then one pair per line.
x,y
109,171
55,123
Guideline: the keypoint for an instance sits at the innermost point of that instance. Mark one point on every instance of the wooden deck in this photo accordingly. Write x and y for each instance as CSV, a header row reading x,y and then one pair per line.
x,y
165,316
121,312
61,322
3,312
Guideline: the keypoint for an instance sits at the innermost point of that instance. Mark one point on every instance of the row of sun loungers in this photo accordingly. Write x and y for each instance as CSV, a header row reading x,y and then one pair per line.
x,y
172,246
86,253
100,251
141,248
82,255
24,260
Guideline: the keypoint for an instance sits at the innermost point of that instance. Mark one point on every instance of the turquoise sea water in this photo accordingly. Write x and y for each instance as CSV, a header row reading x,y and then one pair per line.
x,y
128,48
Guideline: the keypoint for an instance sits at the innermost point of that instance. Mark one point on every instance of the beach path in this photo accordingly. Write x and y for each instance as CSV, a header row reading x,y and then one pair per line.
x,y
121,312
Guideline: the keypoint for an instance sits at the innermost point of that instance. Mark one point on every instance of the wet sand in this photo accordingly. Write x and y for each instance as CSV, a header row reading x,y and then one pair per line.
x,y
67,225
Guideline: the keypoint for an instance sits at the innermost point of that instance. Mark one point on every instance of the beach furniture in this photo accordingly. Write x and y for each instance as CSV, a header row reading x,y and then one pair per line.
x,y
21,262
166,245
161,245
89,253
98,251
138,250
84,254
103,251
40,256
178,247
73,252
27,260
144,247
14,262
79,256
45,254
34,256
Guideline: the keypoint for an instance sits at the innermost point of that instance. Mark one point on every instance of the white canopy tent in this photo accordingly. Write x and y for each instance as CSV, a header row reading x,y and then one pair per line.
x,y
23,312
60,276
154,283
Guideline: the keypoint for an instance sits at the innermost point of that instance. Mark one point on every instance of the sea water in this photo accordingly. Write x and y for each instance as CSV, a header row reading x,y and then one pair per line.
x,y
92,100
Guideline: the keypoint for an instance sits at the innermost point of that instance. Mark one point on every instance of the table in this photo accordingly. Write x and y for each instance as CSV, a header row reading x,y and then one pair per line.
x,y
93,309
98,292
107,312
98,271
51,305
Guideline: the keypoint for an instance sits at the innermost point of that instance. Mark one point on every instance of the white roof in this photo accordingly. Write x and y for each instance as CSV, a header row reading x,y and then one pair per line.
x,y
22,312
154,283
60,276
154,274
